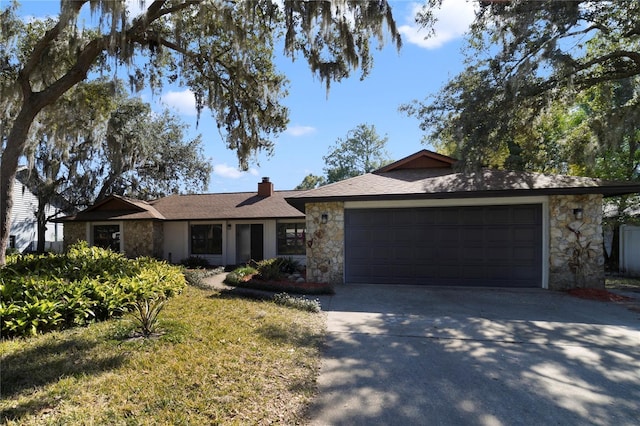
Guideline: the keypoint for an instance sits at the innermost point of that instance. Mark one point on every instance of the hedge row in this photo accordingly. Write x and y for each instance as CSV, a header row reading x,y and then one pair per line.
x,y
50,292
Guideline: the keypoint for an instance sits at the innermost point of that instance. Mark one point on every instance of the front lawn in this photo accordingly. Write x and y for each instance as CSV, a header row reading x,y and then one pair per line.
x,y
217,360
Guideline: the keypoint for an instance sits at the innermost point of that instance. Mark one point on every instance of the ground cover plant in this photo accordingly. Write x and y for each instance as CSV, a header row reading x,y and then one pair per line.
x,y
41,293
275,275
219,360
197,276
622,283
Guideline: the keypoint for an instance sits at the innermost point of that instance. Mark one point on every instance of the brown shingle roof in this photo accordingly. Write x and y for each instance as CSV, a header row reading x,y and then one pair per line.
x,y
442,183
240,205
116,207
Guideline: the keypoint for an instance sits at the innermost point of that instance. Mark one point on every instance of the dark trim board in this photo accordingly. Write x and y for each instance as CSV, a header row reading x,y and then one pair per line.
x,y
492,246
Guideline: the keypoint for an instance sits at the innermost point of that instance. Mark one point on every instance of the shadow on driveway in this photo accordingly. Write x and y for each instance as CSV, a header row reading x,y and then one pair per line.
x,y
414,355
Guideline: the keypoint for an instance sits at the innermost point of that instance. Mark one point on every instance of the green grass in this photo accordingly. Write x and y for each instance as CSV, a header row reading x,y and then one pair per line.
x,y
219,360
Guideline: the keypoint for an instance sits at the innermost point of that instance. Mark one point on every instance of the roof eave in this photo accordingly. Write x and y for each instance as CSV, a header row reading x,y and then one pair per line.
x,y
606,191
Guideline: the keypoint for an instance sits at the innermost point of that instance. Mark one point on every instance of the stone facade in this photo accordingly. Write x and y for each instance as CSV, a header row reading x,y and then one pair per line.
x,y
74,232
576,252
325,242
142,238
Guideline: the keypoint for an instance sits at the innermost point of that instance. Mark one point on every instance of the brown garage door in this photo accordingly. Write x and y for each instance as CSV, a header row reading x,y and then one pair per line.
x,y
497,246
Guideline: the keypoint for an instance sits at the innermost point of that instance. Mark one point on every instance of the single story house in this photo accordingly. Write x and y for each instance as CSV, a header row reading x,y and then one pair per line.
x,y
225,229
419,221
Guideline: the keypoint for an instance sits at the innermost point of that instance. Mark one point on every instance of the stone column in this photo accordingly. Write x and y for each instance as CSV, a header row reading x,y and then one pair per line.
x,y
325,242
74,232
139,238
576,252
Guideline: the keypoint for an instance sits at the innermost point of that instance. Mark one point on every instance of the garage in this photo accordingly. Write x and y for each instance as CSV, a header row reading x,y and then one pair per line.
x,y
495,246
425,220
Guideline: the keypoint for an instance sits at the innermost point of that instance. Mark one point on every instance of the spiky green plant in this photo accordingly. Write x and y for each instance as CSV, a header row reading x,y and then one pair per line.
x,y
145,312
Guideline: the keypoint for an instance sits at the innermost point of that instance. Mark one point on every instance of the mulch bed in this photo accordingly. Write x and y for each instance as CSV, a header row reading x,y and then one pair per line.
x,y
598,294
287,286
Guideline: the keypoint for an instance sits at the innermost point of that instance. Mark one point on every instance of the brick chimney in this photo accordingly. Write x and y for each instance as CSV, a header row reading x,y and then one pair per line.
x,y
265,188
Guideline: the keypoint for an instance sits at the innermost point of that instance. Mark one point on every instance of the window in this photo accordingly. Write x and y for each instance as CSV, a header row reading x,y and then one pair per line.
x,y
206,239
12,241
291,237
107,236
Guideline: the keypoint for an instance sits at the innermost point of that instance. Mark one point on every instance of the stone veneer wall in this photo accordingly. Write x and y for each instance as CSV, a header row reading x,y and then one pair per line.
x,y
158,240
139,238
325,243
576,252
74,232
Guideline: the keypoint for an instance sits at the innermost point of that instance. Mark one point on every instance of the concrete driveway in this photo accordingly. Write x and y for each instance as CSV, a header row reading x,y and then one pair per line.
x,y
409,355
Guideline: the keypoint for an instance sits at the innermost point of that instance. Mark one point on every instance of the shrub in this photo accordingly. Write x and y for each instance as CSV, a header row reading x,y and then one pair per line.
x,y
195,277
301,303
195,262
86,284
269,269
289,265
239,275
11,251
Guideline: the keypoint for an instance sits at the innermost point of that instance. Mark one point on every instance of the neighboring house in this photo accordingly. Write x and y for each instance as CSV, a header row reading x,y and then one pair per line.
x,y
630,250
225,229
24,227
628,243
417,221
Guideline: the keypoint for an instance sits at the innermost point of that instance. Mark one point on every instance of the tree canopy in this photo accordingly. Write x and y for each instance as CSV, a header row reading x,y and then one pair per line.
x,y
98,141
525,58
222,50
361,151
551,86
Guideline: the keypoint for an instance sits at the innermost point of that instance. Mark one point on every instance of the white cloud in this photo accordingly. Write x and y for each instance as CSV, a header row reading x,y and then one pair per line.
x,y
226,171
300,130
453,20
183,102
136,7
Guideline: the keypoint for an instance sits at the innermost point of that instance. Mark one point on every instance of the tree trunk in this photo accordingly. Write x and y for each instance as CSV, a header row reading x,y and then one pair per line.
x,y
32,104
13,150
41,219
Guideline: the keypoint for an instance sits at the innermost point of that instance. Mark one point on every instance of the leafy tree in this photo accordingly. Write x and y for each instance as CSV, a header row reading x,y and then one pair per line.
x,y
61,140
311,181
362,151
222,50
549,86
603,140
523,56
118,146
147,157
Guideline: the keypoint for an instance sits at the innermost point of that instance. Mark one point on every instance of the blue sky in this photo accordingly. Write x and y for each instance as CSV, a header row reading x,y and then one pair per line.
x,y
317,121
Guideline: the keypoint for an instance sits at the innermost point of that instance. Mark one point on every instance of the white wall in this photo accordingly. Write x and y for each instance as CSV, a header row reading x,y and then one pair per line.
x,y
176,241
630,250
24,225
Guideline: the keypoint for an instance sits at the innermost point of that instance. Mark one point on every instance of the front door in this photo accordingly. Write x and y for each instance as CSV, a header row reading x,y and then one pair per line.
x,y
249,242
